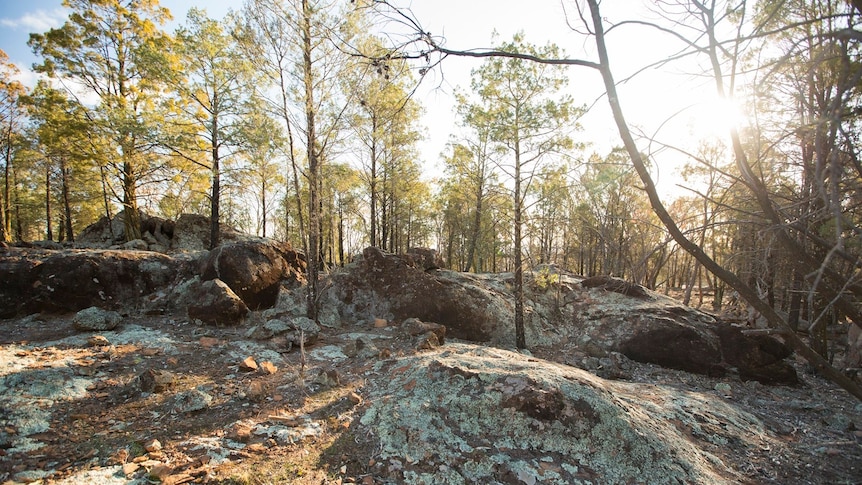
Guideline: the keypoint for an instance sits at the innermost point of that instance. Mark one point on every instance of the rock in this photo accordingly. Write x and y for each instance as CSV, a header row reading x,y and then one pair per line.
x,y
676,345
428,341
71,280
255,270
507,416
98,341
394,287
130,468
426,258
135,245
192,401
95,318
362,348
157,380
616,285
291,329
241,431
756,357
215,303
248,364
327,379
711,350
414,327
268,367
152,445
853,360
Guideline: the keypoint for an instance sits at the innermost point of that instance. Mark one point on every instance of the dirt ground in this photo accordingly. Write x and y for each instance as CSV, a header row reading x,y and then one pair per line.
x,y
127,416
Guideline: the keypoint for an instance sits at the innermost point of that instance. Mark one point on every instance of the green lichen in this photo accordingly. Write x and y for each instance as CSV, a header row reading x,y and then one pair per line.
x,y
467,413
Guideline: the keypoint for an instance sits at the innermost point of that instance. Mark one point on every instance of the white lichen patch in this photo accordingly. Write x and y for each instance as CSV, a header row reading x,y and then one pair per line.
x,y
465,413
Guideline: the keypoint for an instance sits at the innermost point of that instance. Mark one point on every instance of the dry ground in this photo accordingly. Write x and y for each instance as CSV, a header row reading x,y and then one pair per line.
x,y
110,428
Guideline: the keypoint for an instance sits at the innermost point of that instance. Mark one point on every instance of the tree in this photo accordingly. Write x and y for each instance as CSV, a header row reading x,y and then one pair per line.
x,y
12,116
384,120
105,47
294,43
213,92
261,170
69,154
530,122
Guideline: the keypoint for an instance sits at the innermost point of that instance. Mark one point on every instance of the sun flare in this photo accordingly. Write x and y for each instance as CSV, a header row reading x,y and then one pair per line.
x,y
714,117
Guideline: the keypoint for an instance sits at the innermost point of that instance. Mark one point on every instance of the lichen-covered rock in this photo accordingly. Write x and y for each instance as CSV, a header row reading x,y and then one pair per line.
x,y
853,360
213,302
70,280
291,329
426,258
469,414
95,318
394,287
255,269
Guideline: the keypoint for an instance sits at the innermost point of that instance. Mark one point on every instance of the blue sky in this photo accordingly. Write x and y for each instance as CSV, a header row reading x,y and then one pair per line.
x,y
466,24
19,18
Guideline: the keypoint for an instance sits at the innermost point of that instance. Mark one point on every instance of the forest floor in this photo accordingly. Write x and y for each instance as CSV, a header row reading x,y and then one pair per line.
x,y
159,399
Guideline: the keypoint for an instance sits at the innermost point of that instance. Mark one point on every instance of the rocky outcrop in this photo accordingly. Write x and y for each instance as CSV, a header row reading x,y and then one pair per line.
x,y
190,232
596,316
214,303
255,270
394,287
468,414
71,280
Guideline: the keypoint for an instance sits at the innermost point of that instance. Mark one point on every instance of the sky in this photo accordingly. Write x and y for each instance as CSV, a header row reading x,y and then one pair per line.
x,y
649,99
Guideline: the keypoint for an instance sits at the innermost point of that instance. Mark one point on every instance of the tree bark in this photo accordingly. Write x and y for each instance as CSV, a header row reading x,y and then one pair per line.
x,y
313,167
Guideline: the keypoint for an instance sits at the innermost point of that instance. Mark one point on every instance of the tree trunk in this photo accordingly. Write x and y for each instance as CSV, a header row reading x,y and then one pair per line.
x,y
313,168
131,217
67,203
520,338
49,235
215,195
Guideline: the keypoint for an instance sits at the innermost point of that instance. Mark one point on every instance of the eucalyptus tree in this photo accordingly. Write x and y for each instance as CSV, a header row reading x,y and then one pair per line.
x,y
105,50
213,90
531,118
12,117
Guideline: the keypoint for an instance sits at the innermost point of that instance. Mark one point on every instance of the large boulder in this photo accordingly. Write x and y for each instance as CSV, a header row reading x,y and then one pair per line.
x,y
395,287
255,269
470,414
214,303
71,280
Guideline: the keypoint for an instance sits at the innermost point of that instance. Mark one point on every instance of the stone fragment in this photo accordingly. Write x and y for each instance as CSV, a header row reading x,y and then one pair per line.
x,y
414,327
98,341
268,367
130,468
95,318
327,379
157,380
152,445
192,401
207,342
248,364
